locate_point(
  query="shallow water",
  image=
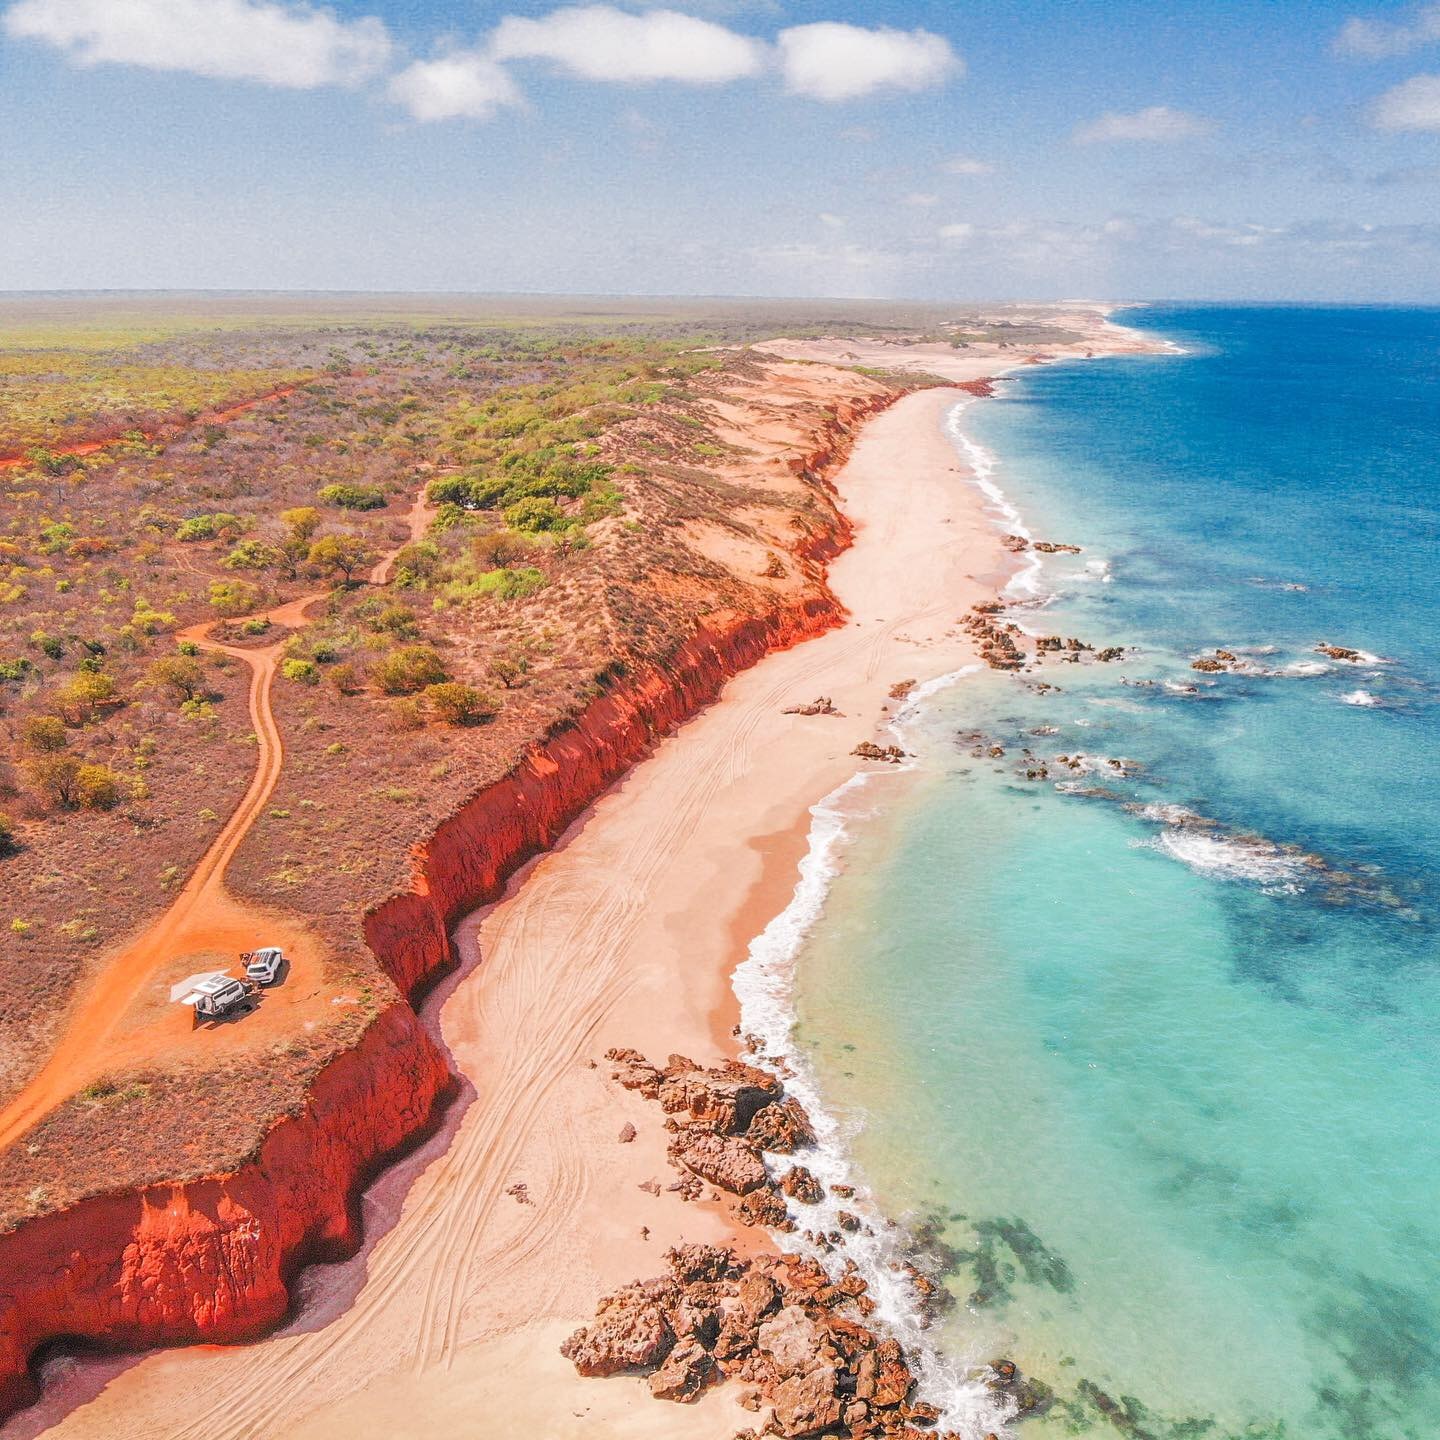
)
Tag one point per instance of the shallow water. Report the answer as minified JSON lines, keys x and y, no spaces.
{"x":1166,"y":1090}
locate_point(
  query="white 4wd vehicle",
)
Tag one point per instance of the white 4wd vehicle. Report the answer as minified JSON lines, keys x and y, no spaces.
{"x":264,"y":966}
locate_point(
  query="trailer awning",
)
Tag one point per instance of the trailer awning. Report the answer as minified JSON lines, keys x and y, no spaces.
{"x":193,"y":990}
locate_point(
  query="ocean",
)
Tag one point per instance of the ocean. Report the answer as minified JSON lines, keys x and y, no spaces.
{"x":1141,"y":1047}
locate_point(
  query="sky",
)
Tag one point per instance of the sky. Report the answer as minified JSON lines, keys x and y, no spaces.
{"x":926,"y":149}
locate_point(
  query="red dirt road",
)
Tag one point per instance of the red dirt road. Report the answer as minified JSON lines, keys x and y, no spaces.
{"x":124,"y":1017}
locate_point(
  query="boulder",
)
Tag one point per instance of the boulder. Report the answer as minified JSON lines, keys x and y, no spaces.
{"x":792,"y":1340}
{"x":782,"y":1127}
{"x":723,"y":1160}
{"x":807,"y":1404}
{"x":881,"y":1376}
{"x":764,"y":1207}
{"x":707,"y":1264}
{"x":799,"y":1184}
{"x":630,"y":1331}
{"x":724,"y":1099}
{"x":685,"y":1373}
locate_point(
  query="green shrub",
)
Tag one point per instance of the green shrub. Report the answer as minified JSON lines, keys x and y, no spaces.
{"x":408,"y":669}
{"x":233,"y":598}
{"x":8,"y":842}
{"x":353,"y":497}
{"x":506,"y":584}
{"x":252,"y":555}
{"x":536,"y":513}
{"x":208,"y":527}
{"x":302,"y":672}
{"x":458,"y":704}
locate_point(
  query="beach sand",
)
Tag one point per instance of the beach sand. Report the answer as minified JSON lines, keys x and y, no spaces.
{"x":450,"y":1319}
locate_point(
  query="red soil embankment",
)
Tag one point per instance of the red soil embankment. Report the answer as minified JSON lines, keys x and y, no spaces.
{"x":211,"y":1259}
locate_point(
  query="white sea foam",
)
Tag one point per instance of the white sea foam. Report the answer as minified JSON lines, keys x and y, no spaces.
{"x":1229,"y":858}
{"x":1359,"y":697}
{"x":1025,"y":584}
{"x":764,"y":984}
{"x":1170,"y":814}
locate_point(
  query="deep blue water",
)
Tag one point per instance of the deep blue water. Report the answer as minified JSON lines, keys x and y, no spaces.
{"x":1168,"y":1092}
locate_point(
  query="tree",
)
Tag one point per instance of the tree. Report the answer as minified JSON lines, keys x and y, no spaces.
{"x":509,"y":670}
{"x":57,"y":778}
{"x":341,"y":554}
{"x":179,"y":674}
{"x":408,"y":669}
{"x":301,"y":525}
{"x":44,"y":734}
{"x":79,"y":700}
{"x":302,"y":522}
{"x":458,"y":704}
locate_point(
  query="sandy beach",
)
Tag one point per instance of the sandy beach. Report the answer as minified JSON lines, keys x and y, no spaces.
{"x":450,"y":1318}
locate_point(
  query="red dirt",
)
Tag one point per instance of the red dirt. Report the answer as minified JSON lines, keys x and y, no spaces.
{"x":109,"y":1027}
{"x":14,"y":461}
{"x":209,"y":1259}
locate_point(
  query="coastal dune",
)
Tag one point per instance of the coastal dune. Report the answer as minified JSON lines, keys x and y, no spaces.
{"x":623,"y":934}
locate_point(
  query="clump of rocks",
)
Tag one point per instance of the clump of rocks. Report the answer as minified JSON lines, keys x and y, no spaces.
{"x":788,"y":1330}
{"x":869,"y":750}
{"x":775,"y":1325}
{"x":997,"y":644}
{"x":823,"y":705}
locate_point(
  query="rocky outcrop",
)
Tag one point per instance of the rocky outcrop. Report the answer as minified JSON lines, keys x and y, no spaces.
{"x":211,"y":1259}
{"x":777,"y":1324}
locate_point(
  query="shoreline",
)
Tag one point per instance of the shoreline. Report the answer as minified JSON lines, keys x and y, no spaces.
{"x":625,"y":933}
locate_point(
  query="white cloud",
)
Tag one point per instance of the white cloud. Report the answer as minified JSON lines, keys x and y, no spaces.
{"x":462,"y":85}
{"x":831,"y":61}
{"x":298,"y":46}
{"x":961,"y":231}
{"x":921,"y":199}
{"x":831,"y":222}
{"x":1381,"y":39}
{"x":598,"y":42}
{"x":1158,"y":122}
{"x":1414,"y":104}
{"x":967,"y":165}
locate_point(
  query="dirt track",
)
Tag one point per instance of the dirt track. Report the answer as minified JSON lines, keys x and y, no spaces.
{"x":117,"y":1022}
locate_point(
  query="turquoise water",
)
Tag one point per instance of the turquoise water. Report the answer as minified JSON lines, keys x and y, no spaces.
{"x":1161,"y":1096}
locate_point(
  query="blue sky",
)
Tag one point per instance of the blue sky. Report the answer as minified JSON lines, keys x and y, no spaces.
{"x":1000,"y":148}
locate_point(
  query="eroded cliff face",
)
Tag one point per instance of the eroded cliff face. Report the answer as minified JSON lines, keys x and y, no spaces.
{"x":211,"y":1259}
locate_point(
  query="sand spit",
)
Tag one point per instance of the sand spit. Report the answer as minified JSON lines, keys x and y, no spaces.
{"x":528,"y":1206}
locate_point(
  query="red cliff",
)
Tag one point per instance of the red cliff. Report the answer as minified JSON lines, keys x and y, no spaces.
{"x":211,"y":1259}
